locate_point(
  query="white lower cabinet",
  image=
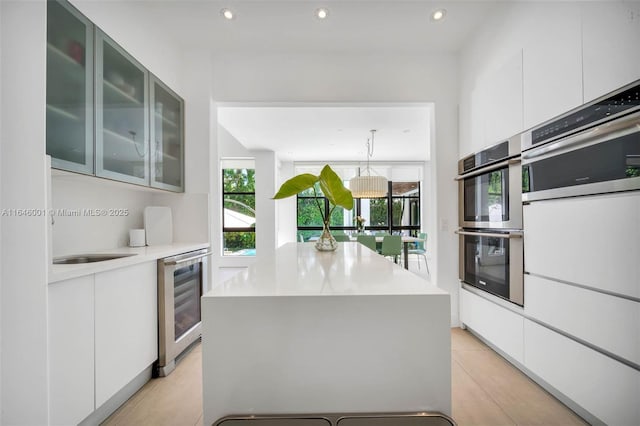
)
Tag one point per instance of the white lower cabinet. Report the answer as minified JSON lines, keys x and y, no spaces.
{"x":126,"y":326}
{"x":71,"y":356}
{"x":608,"y":322}
{"x":102,"y":334}
{"x":498,"y":325}
{"x":606,"y":388}
{"x":590,"y":240}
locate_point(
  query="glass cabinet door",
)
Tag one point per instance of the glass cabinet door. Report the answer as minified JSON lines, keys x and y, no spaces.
{"x":167,"y":141}
{"x":122,"y":111}
{"x":69,"y":88}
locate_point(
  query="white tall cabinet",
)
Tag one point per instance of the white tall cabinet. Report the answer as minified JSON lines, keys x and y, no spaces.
{"x":552,"y":62}
{"x":610,"y":35}
{"x":579,"y":331}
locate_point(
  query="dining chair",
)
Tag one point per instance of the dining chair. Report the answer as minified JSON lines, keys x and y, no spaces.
{"x":368,"y":241}
{"x":420,"y":250}
{"x":342,"y":238}
{"x":391,"y":246}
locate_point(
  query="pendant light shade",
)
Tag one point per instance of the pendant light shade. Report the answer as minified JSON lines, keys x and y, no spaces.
{"x":367,"y":186}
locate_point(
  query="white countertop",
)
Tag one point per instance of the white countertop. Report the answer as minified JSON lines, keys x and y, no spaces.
{"x":143,"y":254}
{"x":298,"y":269}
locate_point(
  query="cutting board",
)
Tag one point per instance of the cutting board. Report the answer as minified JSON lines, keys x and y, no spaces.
{"x":158,"y":225}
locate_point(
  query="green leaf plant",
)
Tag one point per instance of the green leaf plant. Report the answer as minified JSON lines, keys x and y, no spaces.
{"x":330,"y":184}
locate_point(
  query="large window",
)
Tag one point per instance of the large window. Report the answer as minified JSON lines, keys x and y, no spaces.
{"x":310,"y":203}
{"x":398,"y":212}
{"x":239,"y":214}
{"x":405,"y":202}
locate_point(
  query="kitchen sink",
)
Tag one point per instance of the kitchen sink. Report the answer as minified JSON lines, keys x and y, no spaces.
{"x":88,"y":258}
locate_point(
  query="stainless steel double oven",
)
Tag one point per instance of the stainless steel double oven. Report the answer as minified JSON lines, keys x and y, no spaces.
{"x":490,"y":220}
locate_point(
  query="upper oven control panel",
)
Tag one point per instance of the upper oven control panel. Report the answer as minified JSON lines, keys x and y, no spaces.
{"x":623,"y":101}
{"x":498,"y":152}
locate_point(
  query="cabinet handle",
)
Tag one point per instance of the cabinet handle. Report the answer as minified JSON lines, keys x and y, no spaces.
{"x":491,"y":234}
{"x":176,"y":262}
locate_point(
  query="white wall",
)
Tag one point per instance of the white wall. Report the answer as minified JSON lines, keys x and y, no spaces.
{"x":201,"y":123}
{"x":190,"y":214}
{"x":229,"y":146}
{"x":78,"y":234}
{"x":24,"y":246}
{"x":127,"y":23}
{"x":1,"y":135}
{"x":285,"y":209}
{"x":306,"y":77}
{"x":266,"y":168}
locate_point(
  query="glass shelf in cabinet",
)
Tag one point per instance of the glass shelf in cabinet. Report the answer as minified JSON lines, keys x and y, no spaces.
{"x":112,"y":136}
{"x":116,"y":94}
{"x":61,"y":112}
{"x":60,"y":57}
{"x":165,"y":120}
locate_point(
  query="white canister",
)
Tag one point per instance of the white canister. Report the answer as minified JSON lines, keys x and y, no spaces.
{"x":137,"y":238}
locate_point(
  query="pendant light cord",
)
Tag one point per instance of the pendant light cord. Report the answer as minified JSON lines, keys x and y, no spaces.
{"x":370,"y":151}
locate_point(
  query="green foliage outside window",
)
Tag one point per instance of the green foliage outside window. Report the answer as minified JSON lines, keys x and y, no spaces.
{"x":239,"y":180}
{"x":378,"y":212}
{"x":239,"y":202}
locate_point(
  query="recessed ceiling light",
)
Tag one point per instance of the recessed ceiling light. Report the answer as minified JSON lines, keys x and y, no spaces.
{"x":322,"y":13}
{"x":439,"y":14}
{"x":228,"y":14}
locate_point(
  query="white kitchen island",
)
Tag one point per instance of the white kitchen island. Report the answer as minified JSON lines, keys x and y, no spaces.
{"x":304,"y":331}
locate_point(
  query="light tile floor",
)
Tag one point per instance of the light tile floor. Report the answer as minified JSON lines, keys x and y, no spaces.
{"x":487,"y":391}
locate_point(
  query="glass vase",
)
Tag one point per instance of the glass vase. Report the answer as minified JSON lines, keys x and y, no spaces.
{"x":326,"y":242}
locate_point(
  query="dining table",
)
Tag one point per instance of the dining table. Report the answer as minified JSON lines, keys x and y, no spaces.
{"x":406,"y":239}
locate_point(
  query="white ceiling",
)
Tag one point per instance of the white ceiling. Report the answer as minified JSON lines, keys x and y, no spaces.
{"x":363,"y":26}
{"x":335,"y":133}
{"x":331,"y":133}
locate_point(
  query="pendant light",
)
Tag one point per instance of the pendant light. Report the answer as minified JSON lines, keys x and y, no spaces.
{"x":367,"y":186}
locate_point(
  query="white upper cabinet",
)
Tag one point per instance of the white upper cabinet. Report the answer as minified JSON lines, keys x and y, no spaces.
{"x":504,"y":100}
{"x":496,"y":104}
{"x":552,"y":61}
{"x":611,"y":33}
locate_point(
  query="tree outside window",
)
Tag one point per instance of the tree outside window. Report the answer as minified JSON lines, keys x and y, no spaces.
{"x":239,"y":215}
{"x":310,"y":218}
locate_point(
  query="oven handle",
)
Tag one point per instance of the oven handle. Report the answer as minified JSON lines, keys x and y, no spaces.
{"x":517,"y":234}
{"x":489,"y":168}
{"x":614,"y":129}
{"x":187,"y":259}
